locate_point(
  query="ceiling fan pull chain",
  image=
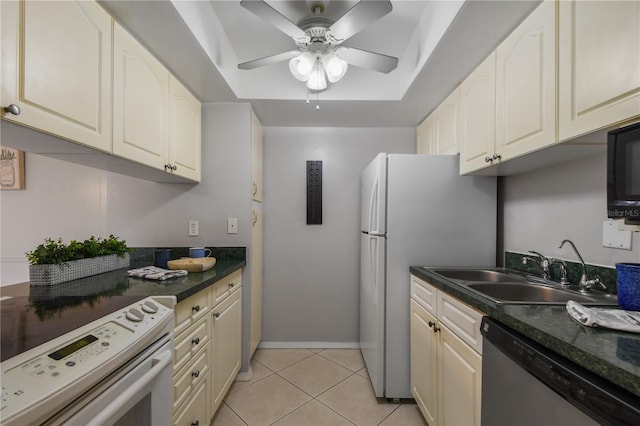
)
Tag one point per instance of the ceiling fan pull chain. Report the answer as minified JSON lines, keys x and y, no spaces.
{"x":318,"y":100}
{"x":307,"y":94}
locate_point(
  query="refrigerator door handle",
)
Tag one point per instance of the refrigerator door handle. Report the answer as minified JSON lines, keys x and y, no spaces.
{"x":373,"y":204}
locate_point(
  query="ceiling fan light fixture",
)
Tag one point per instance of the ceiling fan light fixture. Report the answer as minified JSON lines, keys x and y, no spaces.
{"x":334,"y":66}
{"x":317,"y":80}
{"x":302,"y":65}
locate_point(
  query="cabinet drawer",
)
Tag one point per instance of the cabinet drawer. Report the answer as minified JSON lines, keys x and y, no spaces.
{"x":226,"y":286}
{"x":424,"y":294}
{"x":191,"y":342}
{"x":462,"y":319}
{"x":196,"y":411}
{"x":191,"y":310}
{"x":189,"y":377}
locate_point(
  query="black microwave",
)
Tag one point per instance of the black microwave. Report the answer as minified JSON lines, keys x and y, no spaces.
{"x":623,"y":174}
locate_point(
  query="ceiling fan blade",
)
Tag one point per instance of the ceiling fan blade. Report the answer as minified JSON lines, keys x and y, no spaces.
{"x":267,"y":60}
{"x":262,"y":10}
{"x":358,"y":17}
{"x":369,"y":60}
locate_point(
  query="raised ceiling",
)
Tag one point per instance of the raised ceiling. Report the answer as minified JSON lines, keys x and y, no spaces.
{"x":437,"y":42}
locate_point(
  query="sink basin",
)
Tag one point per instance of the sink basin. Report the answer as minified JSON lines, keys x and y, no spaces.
{"x":485,"y":275}
{"x":523,"y":292}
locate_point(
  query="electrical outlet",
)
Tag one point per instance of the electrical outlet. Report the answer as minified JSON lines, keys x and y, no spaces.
{"x":232,"y":225}
{"x":193,"y":228}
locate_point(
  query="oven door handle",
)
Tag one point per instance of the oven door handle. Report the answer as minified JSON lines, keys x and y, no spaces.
{"x":161,"y":362}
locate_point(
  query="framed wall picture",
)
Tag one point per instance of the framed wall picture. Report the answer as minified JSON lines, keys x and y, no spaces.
{"x":11,"y":168}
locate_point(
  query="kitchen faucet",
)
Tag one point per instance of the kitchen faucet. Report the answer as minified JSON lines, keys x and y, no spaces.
{"x":542,"y":263}
{"x":584,"y":285}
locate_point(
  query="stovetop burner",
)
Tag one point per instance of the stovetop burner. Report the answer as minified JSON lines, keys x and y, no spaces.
{"x":27,"y":323}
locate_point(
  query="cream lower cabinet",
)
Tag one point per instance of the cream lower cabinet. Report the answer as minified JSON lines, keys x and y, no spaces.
{"x":208,"y":332}
{"x":446,"y":357}
{"x":256,"y":281}
{"x":56,"y":67}
{"x":599,"y":65}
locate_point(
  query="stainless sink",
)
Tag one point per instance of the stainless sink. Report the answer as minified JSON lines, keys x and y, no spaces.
{"x":535,"y":293}
{"x":510,"y":286}
{"x":486,"y":275}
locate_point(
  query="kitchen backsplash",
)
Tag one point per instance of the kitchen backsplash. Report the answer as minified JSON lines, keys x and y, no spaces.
{"x":145,"y":254}
{"x":606,"y":275}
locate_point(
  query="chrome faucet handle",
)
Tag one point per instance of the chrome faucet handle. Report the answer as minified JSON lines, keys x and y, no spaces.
{"x":589,"y":284}
{"x":564,"y":282}
{"x":542,"y":263}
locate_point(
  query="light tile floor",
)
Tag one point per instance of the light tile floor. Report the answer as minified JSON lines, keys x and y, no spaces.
{"x":310,"y":387}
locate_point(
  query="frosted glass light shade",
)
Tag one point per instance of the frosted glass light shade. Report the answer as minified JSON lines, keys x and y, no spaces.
{"x":302,"y":65}
{"x":334,"y":66}
{"x":317,"y":80}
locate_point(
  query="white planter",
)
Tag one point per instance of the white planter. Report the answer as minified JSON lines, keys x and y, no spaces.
{"x":75,"y":269}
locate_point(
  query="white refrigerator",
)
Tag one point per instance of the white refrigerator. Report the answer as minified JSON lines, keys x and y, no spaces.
{"x":416,"y":210}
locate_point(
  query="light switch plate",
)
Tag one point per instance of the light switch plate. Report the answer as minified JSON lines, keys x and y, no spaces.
{"x":613,"y":237}
{"x":232,"y":225}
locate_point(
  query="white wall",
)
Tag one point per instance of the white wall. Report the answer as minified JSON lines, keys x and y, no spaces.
{"x":312,"y":272}
{"x":66,"y":200}
{"x":564,"y":201}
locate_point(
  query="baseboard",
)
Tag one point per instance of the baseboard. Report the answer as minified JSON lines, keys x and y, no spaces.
{"x":309,"y":345}
{"x":244,"y":376}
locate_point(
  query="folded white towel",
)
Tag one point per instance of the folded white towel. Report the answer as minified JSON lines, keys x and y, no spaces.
{"x":155,"y":273}
{"x":616,"y":319}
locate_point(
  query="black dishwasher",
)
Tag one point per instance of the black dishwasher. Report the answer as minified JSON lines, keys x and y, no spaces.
{"x":524,"y":383}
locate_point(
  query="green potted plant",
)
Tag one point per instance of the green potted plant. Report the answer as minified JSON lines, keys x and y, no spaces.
{"x":54,"y":262}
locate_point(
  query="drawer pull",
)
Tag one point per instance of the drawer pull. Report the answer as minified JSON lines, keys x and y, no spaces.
{"x":431,"y":324}
{"x":195,"y":374}
{"x":196,"y":341}
{"x":196,"y":308}
{"x":231,"y":285}
{"x":216,"y":314}
{"x":196,"y":423}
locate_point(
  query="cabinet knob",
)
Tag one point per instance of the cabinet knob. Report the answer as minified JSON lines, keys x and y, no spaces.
{"x":255,"y":188}
{"x":231,"y":285}
{"x":255,"y":218}
{"x":216,"y":314}
{"x":196,"y":423}
{"x":196,"y":341}
{"x":174,"y":167}
{"x":487,"y":159}
{"x":12,"y":109}
{"x":431,"y":324}
{"x":496,"y":157}
{"x":195,"y":374}
{"x":195,"y":308}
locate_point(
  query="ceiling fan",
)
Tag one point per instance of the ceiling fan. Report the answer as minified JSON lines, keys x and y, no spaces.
{"x":320,"y":54}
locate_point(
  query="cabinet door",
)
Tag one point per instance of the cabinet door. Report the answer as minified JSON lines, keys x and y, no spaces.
{"x":445,"y":125}
{"x":256,"y":158}
{"x":256,"y":281}
{"x":599,"y":64}
{"x":424,"y":136}
{"x":477,"y":116}
{"x":526,"y":85}
{"x":226,"y":346}
{"x":424,"y":368}
{"x":459,"y":379}
{"x":140,"y":103}
{"x":196,"y":411}
{"x":56,"y":67}
{"x":185,"y":132}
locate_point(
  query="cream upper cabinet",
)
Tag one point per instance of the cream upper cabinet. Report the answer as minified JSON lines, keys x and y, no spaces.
{"x":424,"y":136}
{"x":185,"y":132}
{"x":256,"y":158}
{"x":599,"y":65}
{"x":526,"y":85}
{"x":140,"y":103}
{"x":56,"y":67}
{"x":445,"y":126}
{"x":477,"y":116}
{"x":256,"y":280}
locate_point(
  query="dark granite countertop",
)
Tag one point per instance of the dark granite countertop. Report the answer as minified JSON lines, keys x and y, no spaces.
{"x":613,"y":355}
{"x":117,"y":283}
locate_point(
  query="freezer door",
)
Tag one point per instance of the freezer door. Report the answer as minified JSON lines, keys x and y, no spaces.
{"x":372,"y":307}
{"x":373,"y":188}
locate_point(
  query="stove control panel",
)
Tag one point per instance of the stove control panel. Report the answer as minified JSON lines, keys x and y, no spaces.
{"x":86,"y":354}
